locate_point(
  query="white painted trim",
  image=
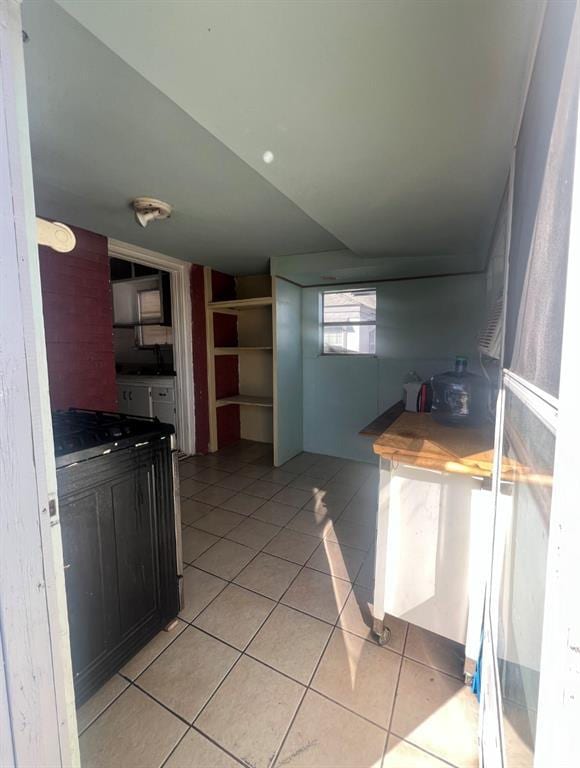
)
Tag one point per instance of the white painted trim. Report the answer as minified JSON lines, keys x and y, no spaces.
{"x":383,"y":517}
{"x":541,"y":404}
{"x":182,"y":332}
{"x":275,"y":403}
{"x":490,"y":722}
{"x":36,"y":699}
{"x":210,"y":345}
{"x":559,"y":697}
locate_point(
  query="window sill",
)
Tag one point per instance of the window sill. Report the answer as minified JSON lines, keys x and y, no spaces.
{"x":347,"y":354}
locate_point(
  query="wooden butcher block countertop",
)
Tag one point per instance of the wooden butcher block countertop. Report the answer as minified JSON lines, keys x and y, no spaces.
{"x":416,"y":439}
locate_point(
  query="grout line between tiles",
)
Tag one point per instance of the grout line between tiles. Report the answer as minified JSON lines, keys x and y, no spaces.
{"x":253,"y":591}
{"x":88,"y":725}
{"x":274,"y":759}
{"x":132,"y":679}
{"x":347,"y":709}
{"x":260,"y":594}
{"x":281,"y":528}
{"x":257,"y":630}
{"x":308,"y":686}
{"x":355,"y":487}
{"x":398,"y":679}
{"x":396,"y":694}
{"x":222,"y":681}
{"x":217,"y":744}
{"x":456,"y":678}
{"x":175,"y":748}
{"x":302,"y":567}
{"x":422,"y":749}
{"x":134,"y":684}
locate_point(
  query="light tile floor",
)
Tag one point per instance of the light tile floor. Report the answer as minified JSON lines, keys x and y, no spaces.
{"x":272,"y":662}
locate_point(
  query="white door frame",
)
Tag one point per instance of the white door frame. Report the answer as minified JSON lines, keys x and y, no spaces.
{"x":559,"y":694}
{"x":37,"y":713}
{"x":182,"y":331}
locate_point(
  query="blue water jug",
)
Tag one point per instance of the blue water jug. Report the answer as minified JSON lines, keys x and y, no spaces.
{"x":460,"y":397}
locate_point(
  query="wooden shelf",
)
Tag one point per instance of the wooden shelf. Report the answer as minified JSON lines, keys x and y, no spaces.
{"x":261,"y":402}
{"x":244,"y":352}
{"x":240,"y":304}
{"x":237,"y":350}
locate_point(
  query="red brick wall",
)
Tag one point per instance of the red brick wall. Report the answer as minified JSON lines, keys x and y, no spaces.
{"x":199,"y":360}
{"x":223,"y":286}
{"x":78,"y":324}
{"x":228,"y":425}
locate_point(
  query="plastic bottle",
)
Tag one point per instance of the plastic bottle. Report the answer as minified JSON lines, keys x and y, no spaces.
{"x":460,"y":397}
{"x":411,"y":386}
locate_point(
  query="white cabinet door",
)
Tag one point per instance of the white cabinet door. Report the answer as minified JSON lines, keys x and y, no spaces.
{"x":164,"y":411}
{"x":124,"y":303}
{"x":121,"y":398}
{"x":136,"y":400}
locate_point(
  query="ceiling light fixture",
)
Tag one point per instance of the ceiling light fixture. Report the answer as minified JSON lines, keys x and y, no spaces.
{"x":148,"y":209}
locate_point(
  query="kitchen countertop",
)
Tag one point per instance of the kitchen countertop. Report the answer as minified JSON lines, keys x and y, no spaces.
{"x":149,"y":380}
{"x":416,"y":439}
{"x":382,"y":422}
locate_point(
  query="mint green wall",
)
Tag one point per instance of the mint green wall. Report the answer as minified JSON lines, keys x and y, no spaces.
{"x":421,"y":325}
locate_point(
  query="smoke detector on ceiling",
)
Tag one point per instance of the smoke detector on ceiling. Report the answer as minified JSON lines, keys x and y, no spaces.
{"x":148,"y":209}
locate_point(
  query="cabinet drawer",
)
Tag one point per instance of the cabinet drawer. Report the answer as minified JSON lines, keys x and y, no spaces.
{"x":163,"y":394}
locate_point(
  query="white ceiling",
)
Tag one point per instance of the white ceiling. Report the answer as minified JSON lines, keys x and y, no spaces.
{"x":391,"y":123}
{"x":102,"y":135}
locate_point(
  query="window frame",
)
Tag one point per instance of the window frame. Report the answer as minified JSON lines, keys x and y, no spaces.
{"x":323,"y":324}
{"x":149,"y":323}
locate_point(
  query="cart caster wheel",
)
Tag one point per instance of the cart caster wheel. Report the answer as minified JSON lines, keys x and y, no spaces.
{"x":384,"y":637}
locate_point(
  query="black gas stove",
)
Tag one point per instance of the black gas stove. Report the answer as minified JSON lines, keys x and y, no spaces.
{"x":118,"y":492}
{"x":81,"y":434}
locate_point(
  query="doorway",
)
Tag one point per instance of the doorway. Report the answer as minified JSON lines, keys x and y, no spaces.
{"x":154,"y":353}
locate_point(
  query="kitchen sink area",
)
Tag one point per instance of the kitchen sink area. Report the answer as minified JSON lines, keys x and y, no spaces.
{"x":143,"y":341}
{"x":145,"y":371}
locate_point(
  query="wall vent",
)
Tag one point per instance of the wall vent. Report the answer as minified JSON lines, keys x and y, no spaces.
{"x":489,"y":341}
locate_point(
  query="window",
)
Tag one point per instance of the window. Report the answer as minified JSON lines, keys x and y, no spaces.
{"x":154,"y":335}
{"x":150,"y":333}
{"x":349,"y":322}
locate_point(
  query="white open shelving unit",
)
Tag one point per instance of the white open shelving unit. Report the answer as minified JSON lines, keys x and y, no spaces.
{"x":254,"y":310}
